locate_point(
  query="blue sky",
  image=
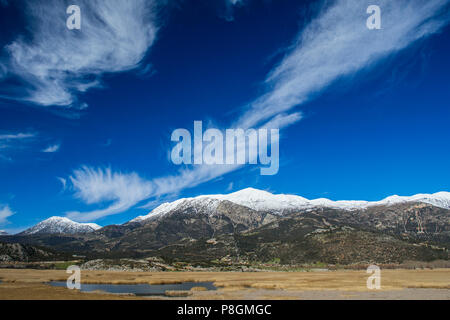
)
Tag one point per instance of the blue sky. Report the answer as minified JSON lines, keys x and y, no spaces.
{"x":86,"y":115}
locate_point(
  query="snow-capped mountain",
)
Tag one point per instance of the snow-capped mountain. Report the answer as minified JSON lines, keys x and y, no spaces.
{"x":279,"y":204}
{"x":3,"y":233}
{"x":204,"y":204}
{"x":60,"y":225}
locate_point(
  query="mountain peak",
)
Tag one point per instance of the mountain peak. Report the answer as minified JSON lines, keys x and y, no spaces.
{"x":58,"y":219}
{"x":251,"y":192}
{"x":261,"y":200}
{"x":61,"y":225}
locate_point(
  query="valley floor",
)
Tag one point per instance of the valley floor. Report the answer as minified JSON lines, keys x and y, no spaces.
{"x":348,"y":284}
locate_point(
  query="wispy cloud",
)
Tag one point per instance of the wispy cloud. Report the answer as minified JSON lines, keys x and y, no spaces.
{"x":4,"y":138}
{"x":52,"y":148}
{"x":338,"y":43}
{"x":63,"y":182}
{"x":10,"y":142}
{"x":57,"y":64}
{"x":123,"y":190}
{"x":5,"y":213}
{"x":335,"y":44}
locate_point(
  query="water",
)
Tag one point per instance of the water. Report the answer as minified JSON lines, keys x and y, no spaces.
{"x":139,"y":289}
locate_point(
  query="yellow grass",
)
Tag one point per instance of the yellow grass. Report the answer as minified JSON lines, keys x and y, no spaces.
{"x":29,"y":284}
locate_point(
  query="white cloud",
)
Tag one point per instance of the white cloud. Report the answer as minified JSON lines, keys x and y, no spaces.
{"x":63,"y":182}
{"x":5,"y":213}
{"x":124,"y":190}
{"x":12,"y":141}
{"x":55,"y":64}
{"x":189,"y":178}
{"x":52,"y":149}
{"x":121,"y":191}
{"x":18,"y":136}
{"x":283,"y":120}
{"x":338,"y":43}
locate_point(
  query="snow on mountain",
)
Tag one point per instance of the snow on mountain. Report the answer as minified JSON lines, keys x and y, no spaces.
{"x":439,"y":199}
{"x":3,"y":233}
{"x":204,"y":203}
{"x":265,"y":201}
{"x":60,"y":225}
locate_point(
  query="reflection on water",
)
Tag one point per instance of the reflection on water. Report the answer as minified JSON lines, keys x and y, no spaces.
{"x":139,"y":289}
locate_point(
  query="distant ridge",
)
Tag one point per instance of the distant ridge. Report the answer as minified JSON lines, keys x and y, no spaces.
{"x":61,"y":225}
{"x":260,"y":200}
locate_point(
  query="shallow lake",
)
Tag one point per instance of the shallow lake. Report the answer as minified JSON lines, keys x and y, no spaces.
{"x":139,"y":289}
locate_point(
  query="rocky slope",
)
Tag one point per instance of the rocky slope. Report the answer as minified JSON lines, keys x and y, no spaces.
{"x":18,"y":252}
{"x":319,"y":236}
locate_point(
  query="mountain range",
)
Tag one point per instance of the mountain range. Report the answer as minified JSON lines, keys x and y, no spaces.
{"x":264,"y":201}
{"x":258,"y":200}
{"x":255,"y":225}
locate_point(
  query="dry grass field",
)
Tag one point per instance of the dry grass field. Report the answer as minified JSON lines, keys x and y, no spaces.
{"x":350,"y":284}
